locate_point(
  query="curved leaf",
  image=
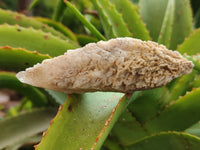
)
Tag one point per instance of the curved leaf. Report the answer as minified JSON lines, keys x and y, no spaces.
{"x":174,"y":116}
{"x":81,"y":122}
{"x":112,"y":21}
{"x":84,"y":121}
{"x":127,"y":129}
{"x":14,"y":18}
{"x":167,"y":141}
{"x":58,"y":26}
{"x":29,"y":140}
{"x":191,"y":45}
{"x":167,"y":25}
{"x":17,"y":59}
{"x":156,"y":98}
{"x":59,"y":10}
{"x":25,"y":125}
{"x":132,"y":18}
{"x":154,"y":19}
{"x":194,"y":129}
{"x":84,"y":39}
{"x":90,"y":27}
{"x":30,"y":39}
{"x":9,"y":81}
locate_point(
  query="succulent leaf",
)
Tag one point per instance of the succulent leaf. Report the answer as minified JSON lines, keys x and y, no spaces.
{"x":13,"y":18}
{"x":156,"y":98}
{"x":44,"y":43}
{"x":132,"y":19}
{"x":167,"y":140}
{"x":83,"y":122}
{"x":84,"y":39}
{"x":167,"y":25}
{"x":154,"y":19}
{"x":16,"y":59}
{"x":172,"y":118}
{"x":90,"y":27}
{"x":9,"y":81}
{"x":191,"y":45}
{"x":25,"y":125}
{"x":127,"y":129}
{"x":59,"y":10}
{"x":112,"y":21}
{"x":58,"y":26}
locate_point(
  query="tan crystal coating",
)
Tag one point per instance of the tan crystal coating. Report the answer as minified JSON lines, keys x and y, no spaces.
{"x":121,"y":65}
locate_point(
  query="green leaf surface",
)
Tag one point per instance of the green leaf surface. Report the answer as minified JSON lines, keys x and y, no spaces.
{"x":84,"y":121}
{"x":59,"y":10}
{"x":81,"y":122}
{"x":194,"y":129}
{"x":33,"y":4}
{"x":14,"y":18}
{"x":58,"y":26}
{"x":173,"y":117}
{"x":167,"y":25}
{"x":85,"y":39}
{"x":33,"y":40}
{"x":127,"y":129}
{"x":179,"y":88}
{"x":111,"y":19}
{"x":90,"y":27}
{"x":195,"y":59}
{"x":154,"y":18}
{"x":25,"y":125}
{"x":58,"y":96}
{"x":29,"y":140}
{"x":132,"y":19}
{"x":191,"y":45}
{"x":18,"y":59}
{"x":167,"y":141}
{"x":156,"y":98}
{"x":9,"y":81}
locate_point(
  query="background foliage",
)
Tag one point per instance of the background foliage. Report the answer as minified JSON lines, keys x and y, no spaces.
{"x":162,"y":118}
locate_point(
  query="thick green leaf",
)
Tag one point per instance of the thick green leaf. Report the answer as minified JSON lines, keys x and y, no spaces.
{"x":148,"y":104}
{"x":9,"y":81}
{"x":90,"y":27}
{"x":59,"y":27}
{"x":154,"y":18}
{"x":59,"y":10}
{"x":167,"y":25}
{"x":131,"y":17}
{"x":127,"y":129}
{"x":30,"y":39}
{"x":14,"y":18}
{"x":85,"y":39}
{"x":82,"y":122}
{"x":33,"y":4}
{"x":25,"y":125}
{"x":17,"y":59}
{"x":29,"y":140}
{"x":112,"y":21}
{"x":194,"y":129}
{"x":196,"y":61}
{"x":58,"y":96}
{"x":191,"y":45}
{"x":173,"y":117}
{"x":180,"y":87}
{"x":167,"y":141}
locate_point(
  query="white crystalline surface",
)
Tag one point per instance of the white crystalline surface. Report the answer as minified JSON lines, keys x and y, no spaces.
{"x":121,"y":65}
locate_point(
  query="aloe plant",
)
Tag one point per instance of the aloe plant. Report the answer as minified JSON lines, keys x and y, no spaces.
{"x":162,"y":118}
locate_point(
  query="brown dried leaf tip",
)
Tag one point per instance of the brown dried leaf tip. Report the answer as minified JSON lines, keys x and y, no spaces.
{"x":121,"y":65}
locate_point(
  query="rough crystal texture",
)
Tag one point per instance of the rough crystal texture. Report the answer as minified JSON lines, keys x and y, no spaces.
{"x":121,"y":65}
